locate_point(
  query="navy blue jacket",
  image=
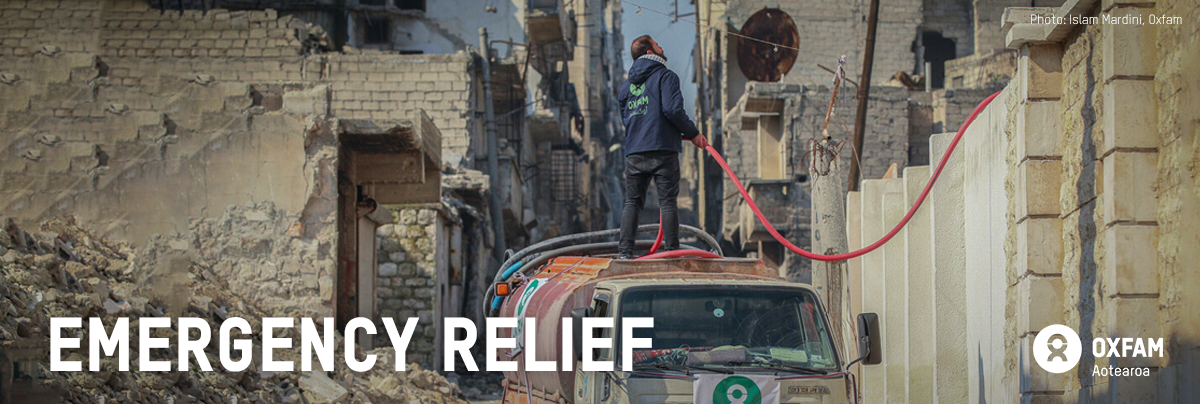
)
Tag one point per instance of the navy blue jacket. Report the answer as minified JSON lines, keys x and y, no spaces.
{"x":652,"y":109}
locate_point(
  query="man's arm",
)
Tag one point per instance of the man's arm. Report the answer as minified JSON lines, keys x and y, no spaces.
{"x":672,"y":106}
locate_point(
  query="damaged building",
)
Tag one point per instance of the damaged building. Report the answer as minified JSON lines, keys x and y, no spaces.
{"x":341,"y":158}
{"x":762,"y":103}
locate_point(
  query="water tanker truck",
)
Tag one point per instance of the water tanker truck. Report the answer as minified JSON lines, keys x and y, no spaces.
{"x":725,"y":330}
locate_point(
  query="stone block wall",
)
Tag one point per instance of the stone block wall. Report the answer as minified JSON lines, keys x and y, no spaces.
{"x":407,"y":280}
{"x":383,"y":86}
{"x":986,"y":70}
{"x":1178,"y":209}
{"x":951,"y":108}
{"x":138,"y":120}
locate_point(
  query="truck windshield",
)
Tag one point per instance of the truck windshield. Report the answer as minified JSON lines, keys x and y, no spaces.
{"x":725,"y":326}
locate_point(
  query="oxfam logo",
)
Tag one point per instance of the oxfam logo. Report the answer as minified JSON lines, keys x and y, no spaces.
{"x":737,"y":390}
{"x":637,"y":89}
{"x":1057,"y":348}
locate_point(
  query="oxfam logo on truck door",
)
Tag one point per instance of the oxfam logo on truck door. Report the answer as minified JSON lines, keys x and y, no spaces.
{"x":737,"y":390}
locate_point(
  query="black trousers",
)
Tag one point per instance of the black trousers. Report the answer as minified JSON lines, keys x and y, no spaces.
{"x":640,"y":168}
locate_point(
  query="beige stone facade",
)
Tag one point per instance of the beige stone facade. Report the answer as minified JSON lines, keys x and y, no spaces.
{"x":1057,"y":216}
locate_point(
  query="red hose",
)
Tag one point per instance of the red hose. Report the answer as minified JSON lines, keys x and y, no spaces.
{"x":657,"y":240}
{"x":836,"y":257}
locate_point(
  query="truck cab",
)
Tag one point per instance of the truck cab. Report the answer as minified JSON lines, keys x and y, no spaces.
{"x":729,"y":330}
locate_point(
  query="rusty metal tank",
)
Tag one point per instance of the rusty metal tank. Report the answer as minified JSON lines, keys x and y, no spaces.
{"x":757,"y":58}
{"x":567,"y":283}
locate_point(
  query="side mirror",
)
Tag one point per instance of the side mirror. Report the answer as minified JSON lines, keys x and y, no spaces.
{"x":870,"y":343}
{"x":577,"y":316}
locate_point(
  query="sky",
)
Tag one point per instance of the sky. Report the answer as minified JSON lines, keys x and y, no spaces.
{"x":676,"y":38}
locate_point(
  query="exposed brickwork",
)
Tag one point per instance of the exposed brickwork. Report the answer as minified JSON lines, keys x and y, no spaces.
{"x":388,"y":86}
{"x":406,"y":286}
{"x":830,"y":29}
{"x":987,"y":70}
{"x":129,"y":84}
{"x":140,"y":119}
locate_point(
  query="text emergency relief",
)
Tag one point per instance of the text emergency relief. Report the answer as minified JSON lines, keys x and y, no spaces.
{"x":234,"y":335}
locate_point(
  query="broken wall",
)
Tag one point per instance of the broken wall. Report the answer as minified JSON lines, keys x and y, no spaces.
{"x":386,"y":86}
{"x":140,"y":121}
{"x":441,"y":27}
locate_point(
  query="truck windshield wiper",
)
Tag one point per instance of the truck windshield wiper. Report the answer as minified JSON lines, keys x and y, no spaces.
{"x":664,"y":366}
{"x":777,"y":365}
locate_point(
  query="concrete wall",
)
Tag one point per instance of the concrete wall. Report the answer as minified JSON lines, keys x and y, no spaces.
{"x":938,"y":281}
{"x":948,"y":256}
{"x":984,"y":209}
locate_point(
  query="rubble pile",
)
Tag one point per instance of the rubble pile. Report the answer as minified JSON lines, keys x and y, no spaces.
{"x":62,"y":270}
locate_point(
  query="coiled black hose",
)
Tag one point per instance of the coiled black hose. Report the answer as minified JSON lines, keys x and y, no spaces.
{"x":585,"y":242}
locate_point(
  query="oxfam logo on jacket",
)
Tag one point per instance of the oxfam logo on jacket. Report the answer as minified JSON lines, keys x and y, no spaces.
{"x":637,"y":106}
{"x":637,"y":89}
{"x":1057,"y":348}
{"x":737,"y":390}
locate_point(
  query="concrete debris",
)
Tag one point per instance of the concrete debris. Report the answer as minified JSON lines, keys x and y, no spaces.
{"x":63,"y":270}
{"x":320,"y":389}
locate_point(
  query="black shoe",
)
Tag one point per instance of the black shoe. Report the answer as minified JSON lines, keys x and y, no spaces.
{"x":625,"y":256}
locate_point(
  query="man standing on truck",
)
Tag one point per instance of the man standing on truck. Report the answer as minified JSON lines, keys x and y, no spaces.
{"x":655,"y":124}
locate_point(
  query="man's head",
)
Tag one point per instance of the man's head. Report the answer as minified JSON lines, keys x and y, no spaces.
{"x":645,"y":45}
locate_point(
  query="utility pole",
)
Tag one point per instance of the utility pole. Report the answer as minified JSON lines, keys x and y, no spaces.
{"x":828,"y":218}
{"x":828,"y":222}
{"x":497,"y":211}
{"x":864,"y":91}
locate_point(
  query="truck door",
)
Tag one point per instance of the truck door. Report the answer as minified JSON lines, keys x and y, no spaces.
{"x":592,"y":387}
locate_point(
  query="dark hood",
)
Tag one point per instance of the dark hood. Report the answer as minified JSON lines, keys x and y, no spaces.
{"x":642,"y":69}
